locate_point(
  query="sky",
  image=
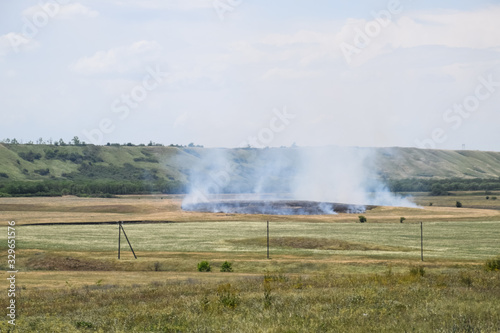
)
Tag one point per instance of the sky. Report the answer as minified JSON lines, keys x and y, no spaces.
{"x":233,"y":73}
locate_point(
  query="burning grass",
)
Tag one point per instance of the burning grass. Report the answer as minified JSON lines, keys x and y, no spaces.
{"x":275,"y":207}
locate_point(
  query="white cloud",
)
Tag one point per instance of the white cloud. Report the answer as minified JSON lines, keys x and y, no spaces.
{"x":289,"y":73}
{"x":167,"y":4}
{"x":454,"y":29}
{"x":15,"y":42}
{"x":124,"y":59}
{"x":53,"y":9}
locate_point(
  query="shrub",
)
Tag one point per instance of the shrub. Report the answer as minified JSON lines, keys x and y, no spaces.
{"x":226,"y":267}
{"x":493,"y":264}
{"x":493,"y":198}
{"x":458,"y":204}
{"x":401,"y":219}
{"x":430,"y":203}
{"x":362,"y":219}
{"x":42,"y":172}
{"x":204,"y":266}
{"x":417,"y":270}
{"x":4,"y":175}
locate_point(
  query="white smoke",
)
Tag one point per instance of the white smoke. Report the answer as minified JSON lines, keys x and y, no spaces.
{"x":324,"y":174}
{"x":344,"y":175}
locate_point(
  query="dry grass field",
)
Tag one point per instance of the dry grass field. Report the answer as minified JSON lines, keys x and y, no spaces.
{"x":70,"y":209}
{"x":325,"y":272}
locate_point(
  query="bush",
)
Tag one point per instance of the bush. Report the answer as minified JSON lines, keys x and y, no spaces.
{"x":30,"y":156}
{"x":204,"y":266}
{"x":458,"y":204}
{"x":417,"y":270}
{"x":493,"y":198}
{"x":401,"y":219}
{"x":4,"y":175}
{"x":493,"y":264}
{"x":42,"y":172}
{"x":362,"y":219}
{"x":226,"y":267}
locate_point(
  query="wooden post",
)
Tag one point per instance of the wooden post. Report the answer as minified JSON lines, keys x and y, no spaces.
{"x":421,"y":241}
{"x":267,"y":239}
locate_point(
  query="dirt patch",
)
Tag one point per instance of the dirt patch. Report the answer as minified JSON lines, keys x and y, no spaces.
{"x":317,"y":244}
{"x":58,"y":263}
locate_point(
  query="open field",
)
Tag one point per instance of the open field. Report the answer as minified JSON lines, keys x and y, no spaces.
{"x":325,"y":272}
{"x":168,"y":208}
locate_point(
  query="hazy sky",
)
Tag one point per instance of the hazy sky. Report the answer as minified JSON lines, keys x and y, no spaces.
{"x":266,"y":73}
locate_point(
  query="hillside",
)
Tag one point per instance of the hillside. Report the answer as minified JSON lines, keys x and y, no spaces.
{"x":169,"y":169}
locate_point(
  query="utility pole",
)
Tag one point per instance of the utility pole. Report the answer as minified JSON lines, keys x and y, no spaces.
{"x":421,"y":241}
{"x":267,"y":239}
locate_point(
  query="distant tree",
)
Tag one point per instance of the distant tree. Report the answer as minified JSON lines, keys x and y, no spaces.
{"x":14,"y":141}
{"x":39,"y":141}
{"x":61,"y":142}
{"x":458,"y":204}
{"x":76,"y":141}
{"x":191,"y":145}
{"x":438,"y":189}
{"x":362,"y":219}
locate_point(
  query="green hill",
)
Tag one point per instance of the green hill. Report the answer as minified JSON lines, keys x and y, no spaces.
{"x":26,"y":169}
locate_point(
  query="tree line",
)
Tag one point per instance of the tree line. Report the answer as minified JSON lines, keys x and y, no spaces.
{"x":443,"y":186}
{"x":75,"y":141}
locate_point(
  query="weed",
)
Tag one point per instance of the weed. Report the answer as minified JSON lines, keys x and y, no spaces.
{"x":493,"y":264}
{"x":228,"y":296}
{"x":417,"y":270}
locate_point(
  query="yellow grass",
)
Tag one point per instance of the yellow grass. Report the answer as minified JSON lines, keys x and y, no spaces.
{"x":168,"y":208}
